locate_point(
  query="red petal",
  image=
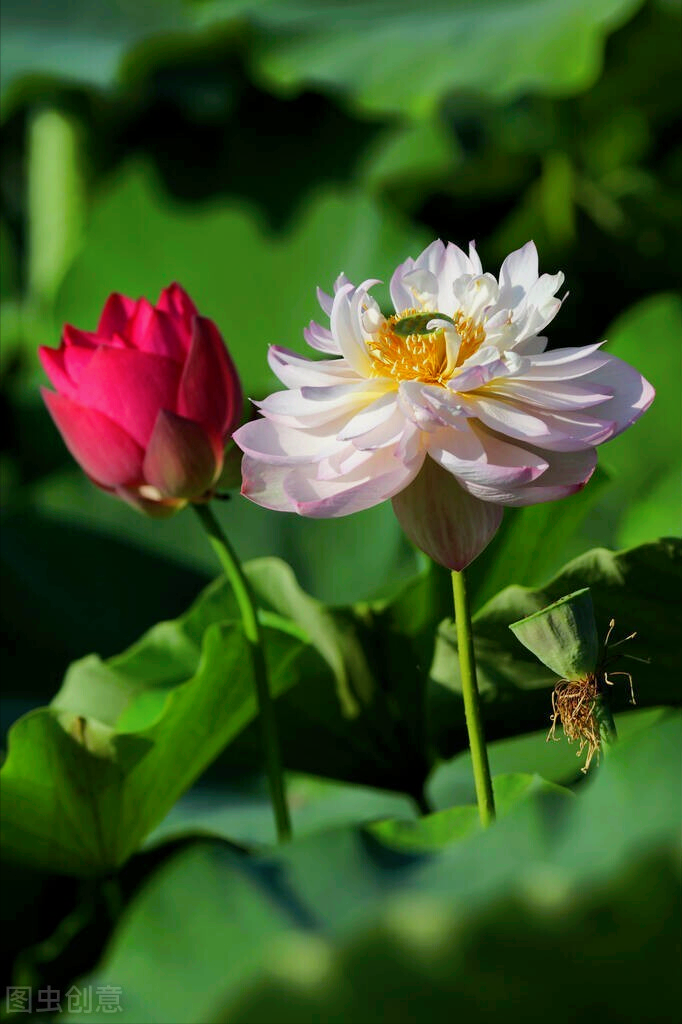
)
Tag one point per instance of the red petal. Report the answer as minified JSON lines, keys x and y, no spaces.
{"x":155,"y":332}
{"x":175,"y":301}
{"x":102,"y":448}
{"x":180,"y":462}
{"x":443,"y":520}
{"x":129,"y":387}
{"x":52,"y":360}
{"x":210,"y":392}
{"x":118,"y":310}
{"x":86,"y":339}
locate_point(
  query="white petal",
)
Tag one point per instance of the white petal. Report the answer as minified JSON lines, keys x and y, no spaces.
{"x":373,"y":415}
{"x":273,"y":443}
{"x":568,"y":473}
{"x":320,"y":339}
{"x":443,"y":520}
{"x":296,"y":371}
{"x":633,"y":394}
{"x":518,"y":274}
{"x":347,"y":330}
{"x":311,"y":407}
{"x":555,"y":395}
{"x":263,"y":484}
{"x":380,"y":477}
{"x":479,"y":457}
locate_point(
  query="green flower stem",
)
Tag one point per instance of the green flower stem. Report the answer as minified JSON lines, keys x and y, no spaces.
{"x":607,"y":727}
{"x":472,"y":703}
{"x":252,"y":631}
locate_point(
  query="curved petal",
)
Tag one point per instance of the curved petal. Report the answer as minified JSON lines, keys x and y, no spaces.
{"x":129,"y":387}
{"x":568,"y":473}
{"x":297,"y":371}
{"x":117,"y":312}
{"x":442,"y":519}
{"x":632,"y":393}
{"x":347,"y":330}
{"x":321,"y":339}
{"x":52,"y":360}
{"x":263,"y":483}
{"x":181,"y":460}
{"x":274,"y":443}
{"x":101,"y":447}
{"x":152,"y":330}
{"x":478,"y":457}
{"x":518,"y":274}
{"x":210,"y":392}
{"x":175,"y":301}
{"x":378,"y":477}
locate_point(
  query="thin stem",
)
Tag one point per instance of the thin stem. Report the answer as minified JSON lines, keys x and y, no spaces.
{"x":252,"y":631}
{"x":472,"y":703}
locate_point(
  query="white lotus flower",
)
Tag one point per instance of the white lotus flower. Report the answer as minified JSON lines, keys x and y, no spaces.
{"x":451,"y":407}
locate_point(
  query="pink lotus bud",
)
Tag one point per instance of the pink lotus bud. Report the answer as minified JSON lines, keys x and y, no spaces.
{"x":147,"y":402}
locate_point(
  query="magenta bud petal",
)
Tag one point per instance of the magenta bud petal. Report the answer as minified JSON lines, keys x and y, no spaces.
{"x":52,"y":360}
{"x":210,"y":392}
{"x":129,"y":387}
{"x":104,"y":450}
{"x":438,"y":515}
{"x":175,"y":301}
{"x":154,"y":507}
{"x":116,"y":314}
{"x":180,"y":462}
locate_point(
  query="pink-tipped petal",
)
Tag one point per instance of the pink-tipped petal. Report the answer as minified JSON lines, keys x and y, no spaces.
{"x":129,"y":387}
{"x":116,"y":314}
{"x":451,"y":526}
{"x":101,"y":447}
{"x":379,"y":476}
{"x":181,"y":461}
{"x":210,"y":391}
{"x":568,"y":473}
{"x":264,"y":484}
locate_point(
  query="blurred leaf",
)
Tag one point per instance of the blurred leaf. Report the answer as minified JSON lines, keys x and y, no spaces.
{"x":337,"y":927}
{"x":647,"y":458}
{"x":637,"y":588}
{"x":440,"y":829}
{"x":549,"y":950}
{"x":393,"y":58}
{"x":245,"y":816}
{"x":259,"y":288}
{"x":166,"y":926}
{"x":78,"y":41}
{"x":81,"y":801}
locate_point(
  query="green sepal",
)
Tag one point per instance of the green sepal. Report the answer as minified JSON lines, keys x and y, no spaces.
{"x":563,"y":636}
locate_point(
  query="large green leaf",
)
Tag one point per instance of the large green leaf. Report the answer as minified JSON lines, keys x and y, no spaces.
{"x":86,"y":779}
{"x":337,"y":926}
{"x":79,"y":41}
{"x":395,"y":57}
{"x":638,"y":588}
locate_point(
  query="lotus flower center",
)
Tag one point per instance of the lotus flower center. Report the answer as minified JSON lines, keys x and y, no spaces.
{"x":431,"y":357}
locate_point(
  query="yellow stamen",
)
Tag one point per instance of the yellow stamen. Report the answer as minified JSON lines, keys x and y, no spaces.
{"x":424,"y":357}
